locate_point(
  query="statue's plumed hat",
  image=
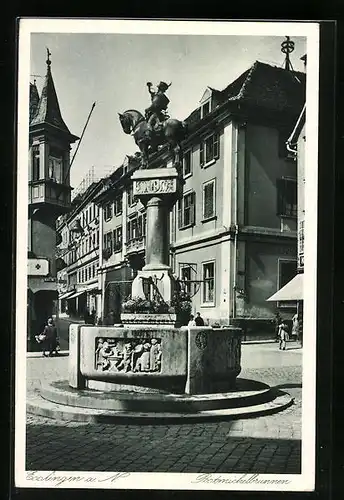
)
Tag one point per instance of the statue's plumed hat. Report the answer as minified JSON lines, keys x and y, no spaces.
{"x":163,"y":86}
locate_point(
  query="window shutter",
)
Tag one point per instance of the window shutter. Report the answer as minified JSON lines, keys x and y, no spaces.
{"x":180,"y":214}
{"x":216,"y":146}
{"x":208,"y":193}
{"x":193,"y":208}
{"x":201,"y":154}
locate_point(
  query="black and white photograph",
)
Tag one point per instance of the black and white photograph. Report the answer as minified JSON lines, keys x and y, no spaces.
{"x":166,"y":255}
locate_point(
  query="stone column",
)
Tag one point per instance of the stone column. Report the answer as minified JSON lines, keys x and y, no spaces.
{"x":157,"y":190}
{"x":157,"y":241}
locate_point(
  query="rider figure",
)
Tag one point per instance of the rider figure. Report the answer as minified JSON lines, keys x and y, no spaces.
{"x":156,"y":113}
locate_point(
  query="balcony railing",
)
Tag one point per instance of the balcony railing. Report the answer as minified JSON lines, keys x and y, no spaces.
{"x":136,"y":245}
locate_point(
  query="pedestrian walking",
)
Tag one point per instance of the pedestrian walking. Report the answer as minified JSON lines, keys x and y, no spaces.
{"x":283,"y":335}
{"x":50,"y":343}
{"x":295,"y":327}
{"x":192,"y":321}
{"x":199,"y":320}
{"x":277,"y":322}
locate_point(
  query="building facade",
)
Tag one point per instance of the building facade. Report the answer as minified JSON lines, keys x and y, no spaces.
{"x":79,"y":248}
{"x":292,"y":292}
{"x":49,"y":196}
{"x":233,"y":233}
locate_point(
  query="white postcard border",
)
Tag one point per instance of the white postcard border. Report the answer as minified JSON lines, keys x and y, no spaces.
{"x":215,"y":481}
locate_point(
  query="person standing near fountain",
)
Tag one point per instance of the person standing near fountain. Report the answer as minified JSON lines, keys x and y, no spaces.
{"x":199,"y":320}
{"x":192,"y":321}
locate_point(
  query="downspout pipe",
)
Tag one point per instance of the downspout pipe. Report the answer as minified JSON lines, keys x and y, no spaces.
{"x":100,"y":266}
{"x":236,"y":227}
{"x":290,"y":149}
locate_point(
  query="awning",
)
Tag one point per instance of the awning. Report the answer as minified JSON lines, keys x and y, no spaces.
{"x":66,"y":295}
{"x":291,"y":291}
{"x":76,"y":294}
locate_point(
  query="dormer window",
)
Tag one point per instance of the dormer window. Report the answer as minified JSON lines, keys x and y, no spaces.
{"x":205,"y":109}
{"x":206,"y":102}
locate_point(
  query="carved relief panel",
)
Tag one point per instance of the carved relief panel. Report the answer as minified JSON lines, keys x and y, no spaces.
{"x":128,"y":355}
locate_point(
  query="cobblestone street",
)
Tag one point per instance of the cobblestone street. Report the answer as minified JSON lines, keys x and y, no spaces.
{"x":268,"y":444}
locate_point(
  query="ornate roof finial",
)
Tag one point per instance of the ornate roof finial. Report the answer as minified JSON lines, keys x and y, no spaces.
{"x":48,"y":57}
{"x":287,"y":47}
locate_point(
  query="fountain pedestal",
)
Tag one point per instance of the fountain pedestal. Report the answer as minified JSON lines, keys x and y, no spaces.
{"x":157,"y":189}
{"x":149,"y":354}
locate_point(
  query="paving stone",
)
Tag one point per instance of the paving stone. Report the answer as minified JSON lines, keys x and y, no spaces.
{"x":205,"y":445}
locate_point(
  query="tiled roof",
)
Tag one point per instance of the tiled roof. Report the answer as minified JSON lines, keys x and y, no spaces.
{"x":48,"y":110}
{"x":269,"y":87}
{"x":33,"y":100}
{"x":265,"y":87}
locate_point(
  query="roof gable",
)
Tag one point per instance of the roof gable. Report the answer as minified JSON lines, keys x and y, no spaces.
{"x":48,"y":109}
{"x":206,"y":95}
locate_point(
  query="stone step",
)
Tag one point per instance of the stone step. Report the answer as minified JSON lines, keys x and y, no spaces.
{"x":248,"y":393}
{"x":39,"y":406}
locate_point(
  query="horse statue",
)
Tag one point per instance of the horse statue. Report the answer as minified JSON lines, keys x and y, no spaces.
{"x":148,"y":139}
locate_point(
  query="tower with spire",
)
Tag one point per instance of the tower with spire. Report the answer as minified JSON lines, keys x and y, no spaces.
{"x":49,"y":195}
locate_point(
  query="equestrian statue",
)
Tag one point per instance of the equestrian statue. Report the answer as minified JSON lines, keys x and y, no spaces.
{"x":156,"y":128}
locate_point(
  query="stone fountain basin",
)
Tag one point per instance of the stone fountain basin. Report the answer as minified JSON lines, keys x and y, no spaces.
{"x":194,"y":360}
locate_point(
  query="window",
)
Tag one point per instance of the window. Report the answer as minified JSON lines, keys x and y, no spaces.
{"x":118,"y":205}
{"x":141,"y":225}
{"x":186,"y":210}
{"x":132,"y":228}
{"x":97,"y":238}
{"x":131,"y":197}
{"x":205,"y":109}
{"x":35,"y":163}
{"x":286,"y":197}
{"x":209,"y":282}
{"x":55,"y":165}
{"x":209,"y":200}
{"x":107,"y":211}
{"x":187,"y":163}
{"x":117,"y":239}
{"x":108,"y":241}
{"x":209,"y":149}
{"x":187,"y":273}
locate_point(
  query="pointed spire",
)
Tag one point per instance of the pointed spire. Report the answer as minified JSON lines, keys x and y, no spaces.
{"x":48,"y":110}
{"x":48,"y":58}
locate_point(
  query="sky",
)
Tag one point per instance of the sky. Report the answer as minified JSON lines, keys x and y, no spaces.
{"x":112,"y":70}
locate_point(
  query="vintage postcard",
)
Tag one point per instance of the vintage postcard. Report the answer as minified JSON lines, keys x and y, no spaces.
{"x":166,"y":255}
